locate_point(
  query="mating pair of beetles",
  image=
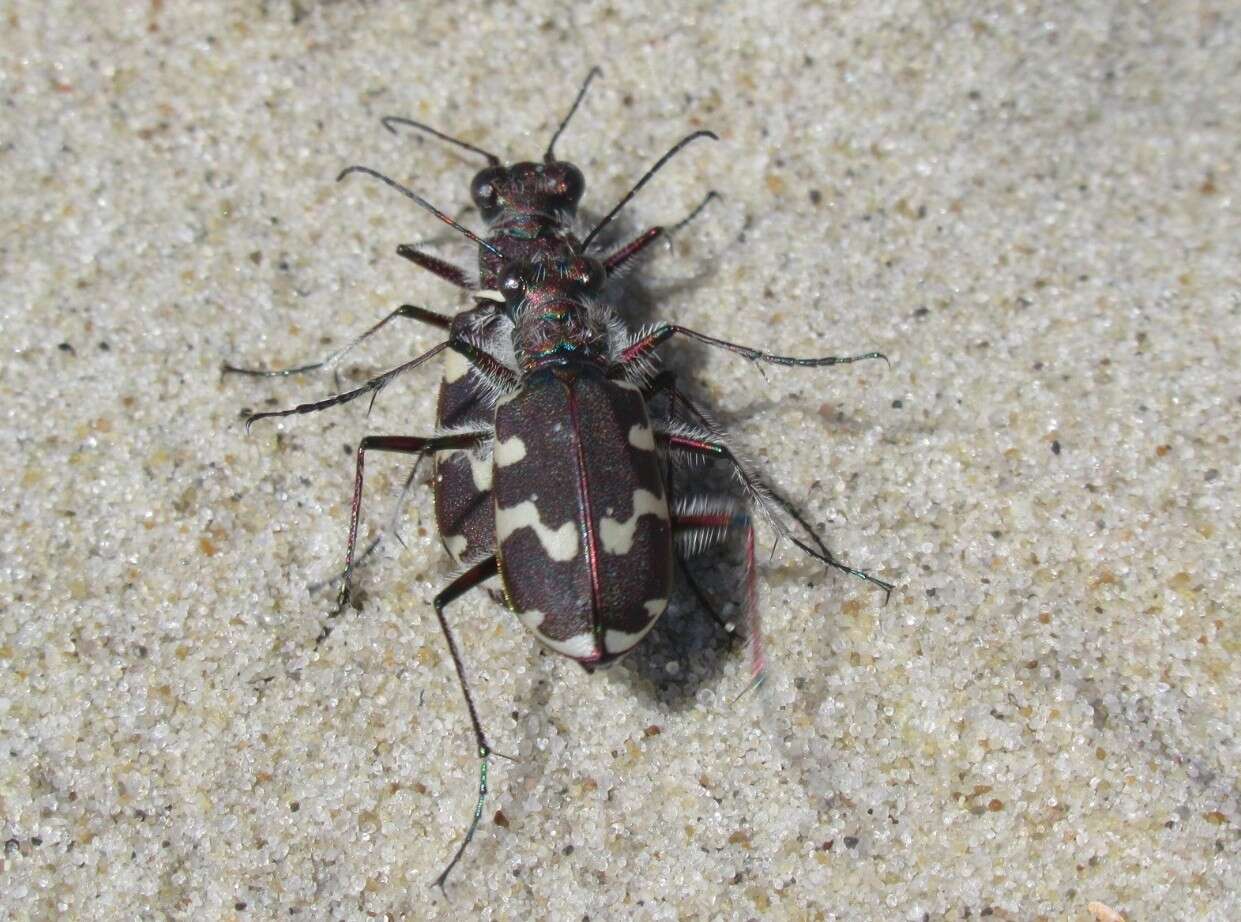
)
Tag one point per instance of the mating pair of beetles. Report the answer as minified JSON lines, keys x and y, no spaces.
{"x":551,"y":469}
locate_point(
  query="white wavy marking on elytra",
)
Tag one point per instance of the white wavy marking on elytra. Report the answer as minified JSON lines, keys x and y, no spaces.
{"x":620,"y":641}
{"x":561,"y":544}
{"x":509,"y":451}
{"x":456,"y":366}
{"x":480,"y":468}
{"x":640,"y":436}
{"x":531,"y":618}
{"x":579,"y":646}
{"x":617,"y":536}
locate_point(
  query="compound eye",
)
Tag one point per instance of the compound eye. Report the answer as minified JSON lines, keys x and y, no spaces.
{"x":484,"y":189}
{"x":512,"y":282}
{"x":570,"y":183}
{"x":598,"y":276}
{"x":590,"y":274}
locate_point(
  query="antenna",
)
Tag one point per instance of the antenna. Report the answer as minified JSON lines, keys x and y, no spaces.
{"x":688,"y":139}
{"x":409,"y":193}
{"x":548,"y":157}
{"x":391,"y":120}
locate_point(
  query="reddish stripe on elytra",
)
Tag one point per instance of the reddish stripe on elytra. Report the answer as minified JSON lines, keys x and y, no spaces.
{"x":588,"y":519}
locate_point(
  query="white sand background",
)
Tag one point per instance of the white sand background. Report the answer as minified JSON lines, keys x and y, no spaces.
{"x":1032,"y":210}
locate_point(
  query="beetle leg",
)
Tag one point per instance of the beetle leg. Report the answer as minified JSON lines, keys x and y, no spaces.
{"x":405,"y":311}
{"x":665,"y":383}
{"x":636,"y":246}
{"x":644,"y":345}
{"x":706,"y":200}
{"x":489,"y":366}
{"x":702,"y":523}
{"x":374,"y":385}
{"x":475,"y":576}
{"x":453,"y":275}
{"x":699,"y":593}
{"x":404,"y":444}
{"x":465,"y":416}
{"x":706,"y":448}
{"x":393,"y":527}
{"x":613,"y":263}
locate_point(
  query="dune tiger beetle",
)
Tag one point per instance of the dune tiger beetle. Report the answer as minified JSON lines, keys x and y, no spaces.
{"x":583,"y":531}
{"x":530,"y":210}
{"x":583,"y":541}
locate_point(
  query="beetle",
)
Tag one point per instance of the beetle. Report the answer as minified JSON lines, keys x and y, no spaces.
{"x":568,"y":497}
{"x":530,"y":209}
{"x":583,"y":541}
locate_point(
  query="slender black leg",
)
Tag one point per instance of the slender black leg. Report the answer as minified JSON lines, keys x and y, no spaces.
{"x":631,"y":249}
{"x":665,"y":331}
{"x":698,"y":524}
{"x":714,"y":524}
{"x":698,"y":209}
{"x":487,"y":365}
{"x":405,"y":311}
{"x":373,"y":386}
{"x":720,"y":451}
{"x":665,"y":383}
{"x":403,"y":444}
{"x":704,"y":602}
{"x":393,"y":527}
{"x":475,"y":576}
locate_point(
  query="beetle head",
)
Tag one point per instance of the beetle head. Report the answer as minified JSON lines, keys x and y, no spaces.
{"x":551,"y":188}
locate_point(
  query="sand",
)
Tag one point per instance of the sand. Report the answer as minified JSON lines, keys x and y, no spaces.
{"x":1032,"y":211}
